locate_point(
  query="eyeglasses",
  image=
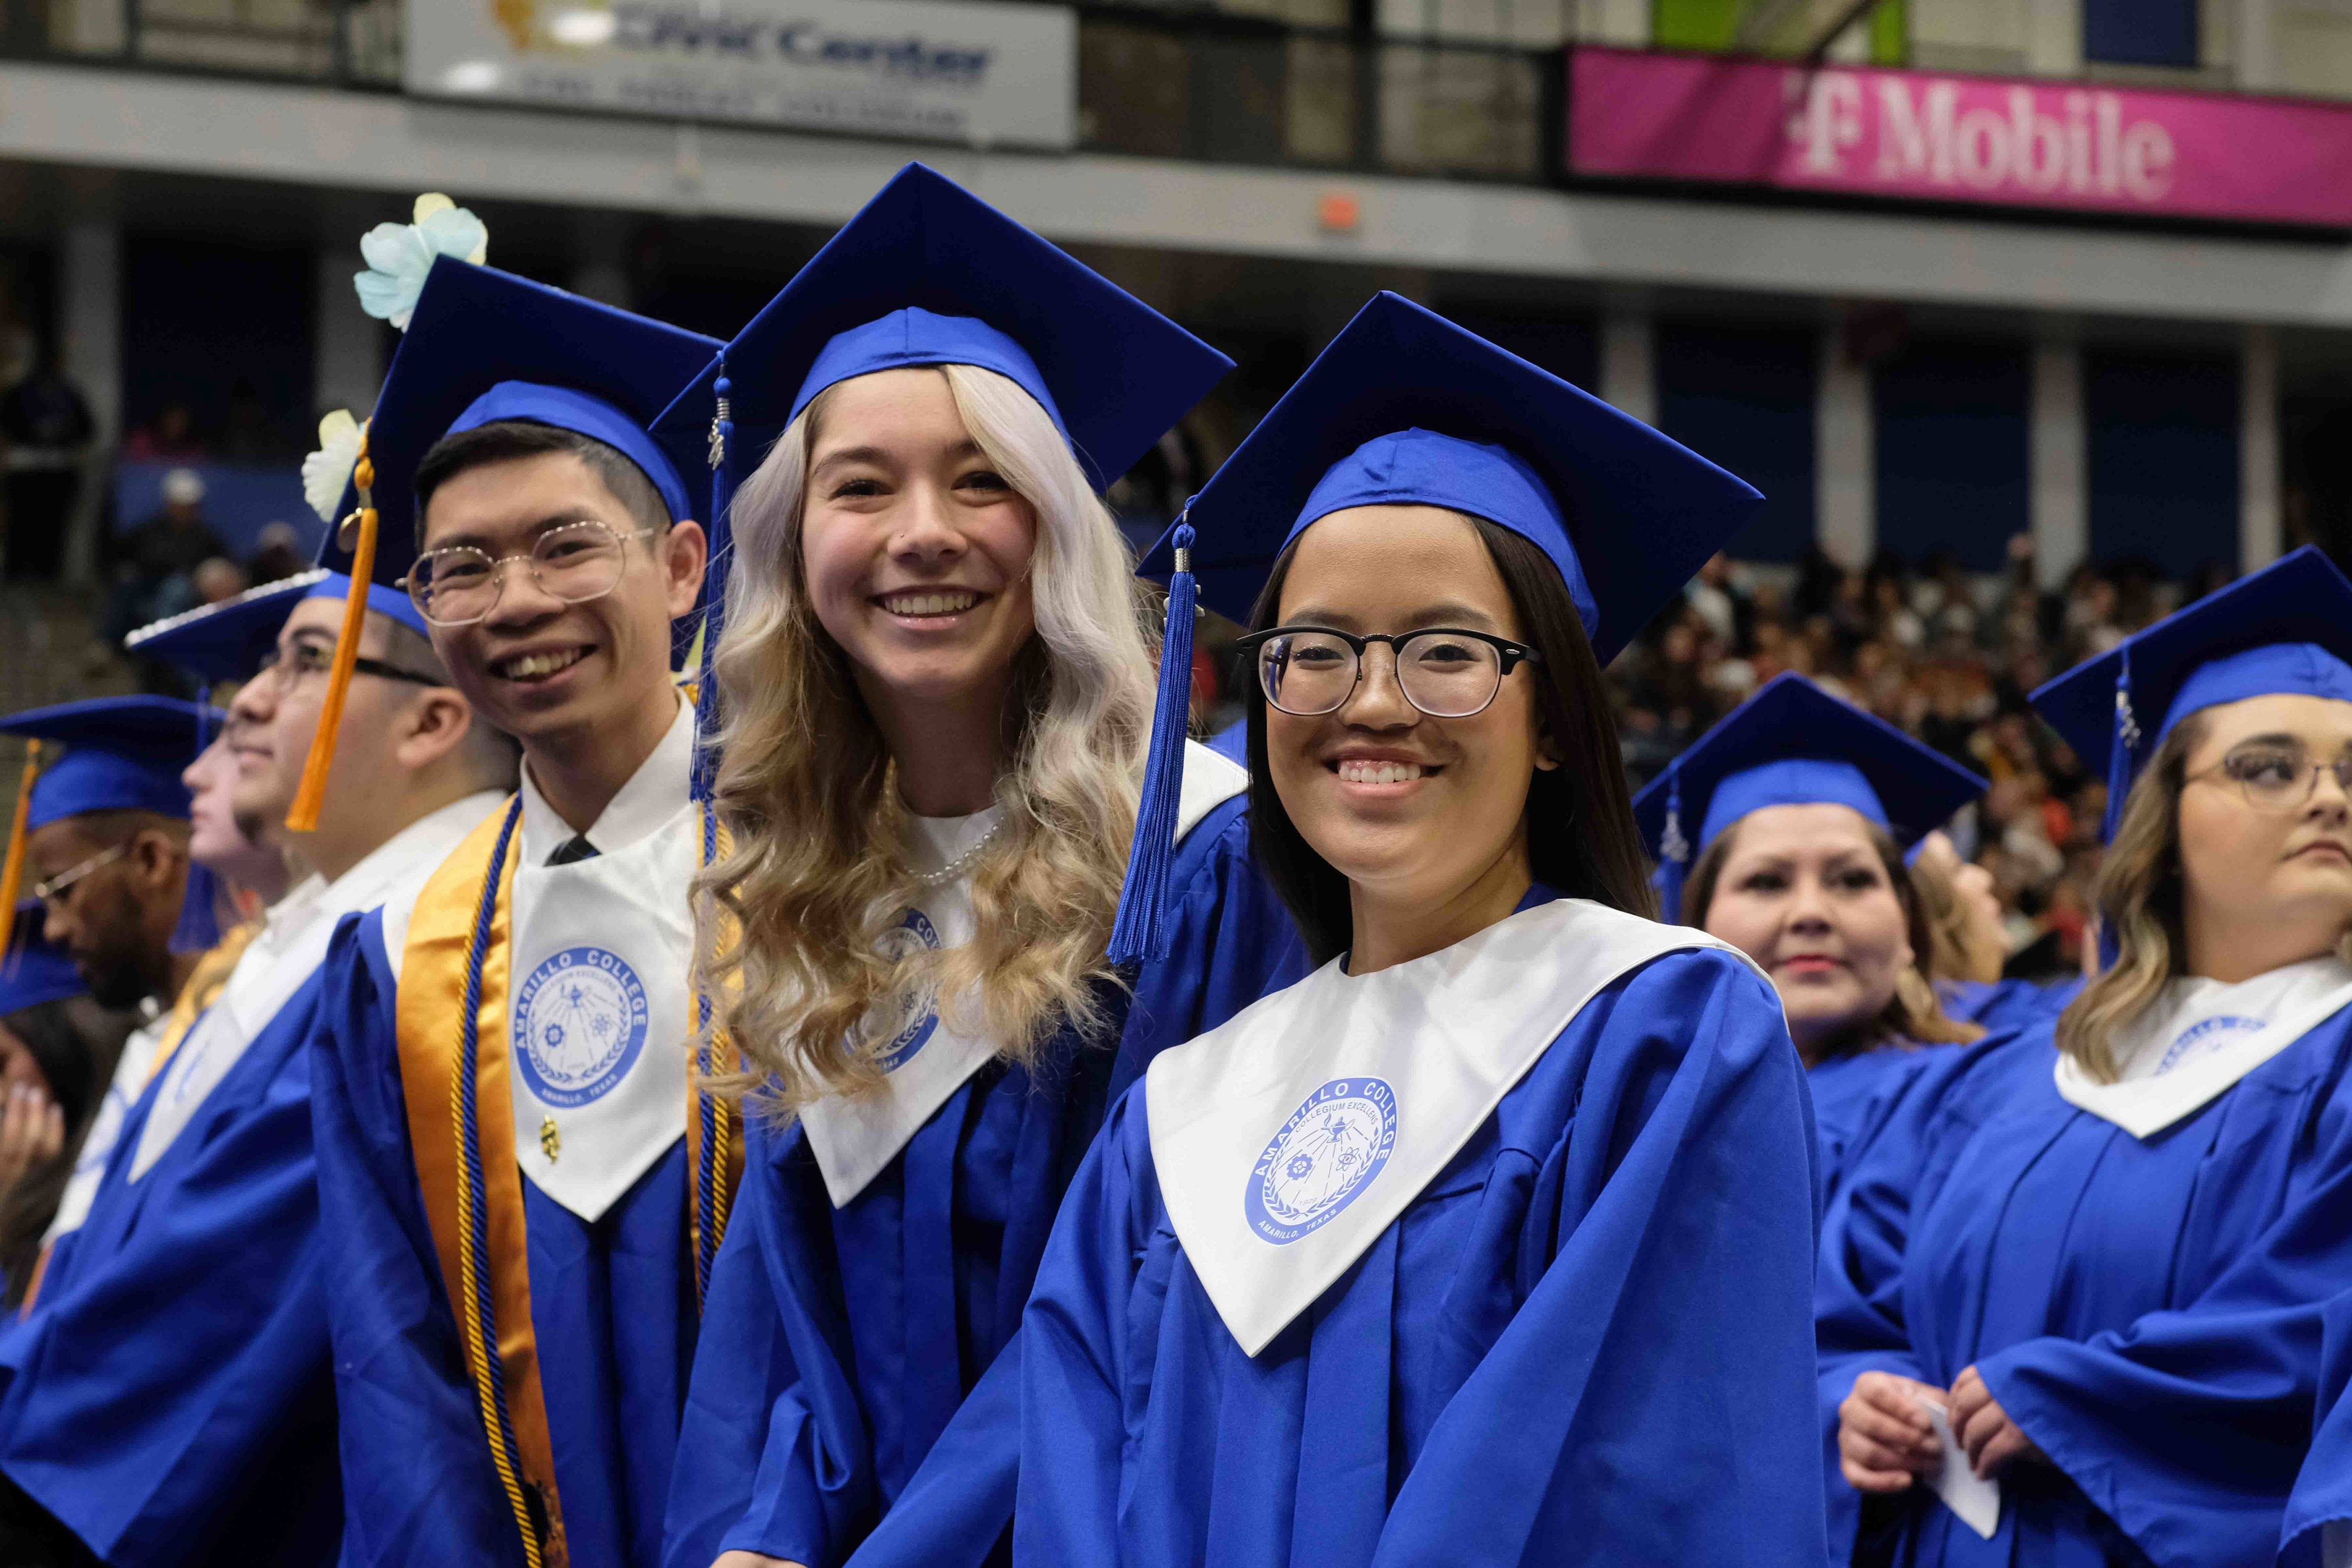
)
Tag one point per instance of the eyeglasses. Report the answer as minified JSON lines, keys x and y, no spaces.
{"x":53,"y":892}
{"x":576,"y":562}
{"x":2275,"y":779}
{"x":1445,"y":672}
{"x":289,"y":667}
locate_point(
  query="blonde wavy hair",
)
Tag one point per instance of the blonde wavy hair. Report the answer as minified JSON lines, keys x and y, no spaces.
{"x":2137,"y":899}
{"x":789,"y":946}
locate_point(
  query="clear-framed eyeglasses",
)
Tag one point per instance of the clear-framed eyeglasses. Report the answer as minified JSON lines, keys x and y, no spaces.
{"x":1445,"y":672}
{"x":2276,"y":778}
{"x":574,"y":561}
{"x":54,"y":893}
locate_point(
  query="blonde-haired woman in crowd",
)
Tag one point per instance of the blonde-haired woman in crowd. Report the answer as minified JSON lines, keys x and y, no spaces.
{"x":938,"y":697}
{"x":2100,"y":1248}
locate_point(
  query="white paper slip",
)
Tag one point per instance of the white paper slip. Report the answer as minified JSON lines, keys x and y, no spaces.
{"x":1977,"y":1501}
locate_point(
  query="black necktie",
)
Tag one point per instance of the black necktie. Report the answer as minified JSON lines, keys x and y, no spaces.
{"x":573,"y":848}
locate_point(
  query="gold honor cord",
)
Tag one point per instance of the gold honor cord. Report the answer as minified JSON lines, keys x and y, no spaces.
{"x":12,"y":872}
{"x":711,"y":1175}
{"x":303,"y":815}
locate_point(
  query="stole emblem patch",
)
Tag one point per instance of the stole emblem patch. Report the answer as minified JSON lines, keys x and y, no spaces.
{"x":918,"y":1016}
{"x":1326,"y":1154}
{"x":580,"y":1022}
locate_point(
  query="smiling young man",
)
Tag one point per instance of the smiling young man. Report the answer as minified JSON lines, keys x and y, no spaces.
{"x":515,"y":1160}
{"x":205,"y":1432}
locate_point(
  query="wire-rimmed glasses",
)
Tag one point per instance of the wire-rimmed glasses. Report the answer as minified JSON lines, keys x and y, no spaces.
{"x":2276,"y":778}
{"x":1445,"y":672}
{"x":459,"y":585}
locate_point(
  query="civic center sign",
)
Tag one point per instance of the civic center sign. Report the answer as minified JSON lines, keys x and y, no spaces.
{"x":1933,"y":136}
{"x":966,"y":71}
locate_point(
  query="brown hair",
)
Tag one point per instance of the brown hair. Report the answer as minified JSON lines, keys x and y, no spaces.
{"x":1581,"y":841}
{"x":1913,"y":1014}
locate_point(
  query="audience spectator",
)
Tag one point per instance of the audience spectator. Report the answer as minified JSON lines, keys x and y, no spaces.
{"x":276,"y":554}
{"x":47,"y":429}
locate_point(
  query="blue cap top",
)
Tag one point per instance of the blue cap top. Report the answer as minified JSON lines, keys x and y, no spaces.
{"x":928,"y":273}
{"x":34,"y":971}
{"x":1793,"y":743}
{"x":125,"y":753}
{"x":1406,"y":407}
{"x":485,"y":345}
{"x":2286,"y":628}
{"x":228,"y":640}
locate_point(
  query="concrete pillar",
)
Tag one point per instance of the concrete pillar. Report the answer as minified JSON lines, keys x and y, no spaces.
{"x":2058,"y":460}
{"x":2254,"y":43}
{"x":2259,"y":528}
{"x":89,"y":319}
{"x":1629,"y":367}
{"x":2053,"y":37}
{"x":1846,"y":455}
{"x":1623,"y":22}
{"x":347,"y":343}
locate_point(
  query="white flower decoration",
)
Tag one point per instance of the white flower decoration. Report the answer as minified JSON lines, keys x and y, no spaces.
{"x":399,"y":255}
{"x":327,"y":471}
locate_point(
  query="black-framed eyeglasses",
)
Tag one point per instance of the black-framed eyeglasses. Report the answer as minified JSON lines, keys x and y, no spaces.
{"x":290,"y":666}
{"x":1445,"y":672}
{"x":54,"y":893}
{"x":459,"y":585}
{"x":2276,"y":778}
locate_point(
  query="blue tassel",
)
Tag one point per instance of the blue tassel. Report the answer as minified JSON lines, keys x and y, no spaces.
{"x":1673,"y":853}
{"x":198,"y":929}
{"x":2120,"y":764}
{"x":714,"y":586}
{"x":1140,"y":932}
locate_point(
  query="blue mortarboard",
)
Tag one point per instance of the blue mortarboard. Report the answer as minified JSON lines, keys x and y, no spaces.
{"x":33,"y":971}
{"x":1794,"y":744}
{"x":2286,"y":628}
{"x":122,"y":753}
{"x":1404,"y":407}
{"x":928,"y":274}
{"x":228,"y":640}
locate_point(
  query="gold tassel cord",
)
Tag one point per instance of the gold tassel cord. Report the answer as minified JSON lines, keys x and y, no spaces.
{"x":12,"y":872}
{"x":303,"y":818}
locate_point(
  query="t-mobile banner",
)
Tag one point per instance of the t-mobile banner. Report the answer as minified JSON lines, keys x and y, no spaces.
{"x":1920,"y":135}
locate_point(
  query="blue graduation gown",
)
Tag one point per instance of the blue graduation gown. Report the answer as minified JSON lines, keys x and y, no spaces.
{"x":2001,"y":1004}
{"x":838,"y":1344}
{"x":612,"y":1308}
{"x":168,"y":1400}
{"x":1586,"y":1340}
{"x":1854,"y":1095}
{"x":2147,"y":1312}
{"x":2323,"y":1492}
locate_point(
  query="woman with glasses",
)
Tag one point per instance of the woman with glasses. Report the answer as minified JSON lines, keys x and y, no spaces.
{"x":2098,"y":1259}
{"x":1782,"y":830}
{"x":1490,"y":1241}
{"x":937,"y":696}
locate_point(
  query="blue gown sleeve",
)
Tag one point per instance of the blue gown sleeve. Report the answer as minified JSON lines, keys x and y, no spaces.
{"x":2195,"y":1412}
{"x":1652,"y":1400}
{"x":418,"y":1485}
{"x":1072,"y":1421}
{"x":2322,"y":1502}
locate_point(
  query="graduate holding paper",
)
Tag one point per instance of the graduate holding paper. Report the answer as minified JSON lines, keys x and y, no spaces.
{"x":1490,"y":1241}
{"x":1802,"y":807}
{"x":937,"y":698}
{"x":521,"y":1175}
{"x":2105,"y":1243}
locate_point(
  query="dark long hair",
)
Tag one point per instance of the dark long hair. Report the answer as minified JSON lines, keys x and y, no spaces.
{"x":75,"y":1043}
{"x":1581,"y":841}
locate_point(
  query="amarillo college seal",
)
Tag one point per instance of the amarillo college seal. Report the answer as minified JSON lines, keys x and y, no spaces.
{"x":579,"y":1023}
{"x":919,"y":1015}
{"x":1329,"y":1150}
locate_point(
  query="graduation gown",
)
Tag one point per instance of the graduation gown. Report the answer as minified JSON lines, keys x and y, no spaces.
{"x":2001,"y":1004}
{"x":2318,"y":1532}
{"x":840,"y":1341}
{"x":169,"y":1397}
{"x":1581,"y":1335}
{"x":2147,"y":1310}
{"x":1853,"y":1096}
{"x":595,"y":1316}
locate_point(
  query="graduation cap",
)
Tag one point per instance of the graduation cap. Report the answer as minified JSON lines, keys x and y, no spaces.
{"x":484,"y":346}
{"x":33,"y":971}
{"x":1406,"y":408}
{"x":929,"y":274}
{"x":1793,"y":743}
{"x":122,"y":753}
{"x":2286,"y":628}
{"x":228,"y":641}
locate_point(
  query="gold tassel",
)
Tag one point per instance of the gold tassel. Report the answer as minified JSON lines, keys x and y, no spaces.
{"x":303,"y":818}
{"x":12,"y":872}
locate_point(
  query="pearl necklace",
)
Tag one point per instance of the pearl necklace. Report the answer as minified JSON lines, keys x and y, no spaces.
{"x":961,"y":863}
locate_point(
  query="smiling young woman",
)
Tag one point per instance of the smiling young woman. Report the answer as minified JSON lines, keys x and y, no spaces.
{"x":1496,"y":1231}
{"x":2105,"y":1239}
{"x":938,"y":694}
